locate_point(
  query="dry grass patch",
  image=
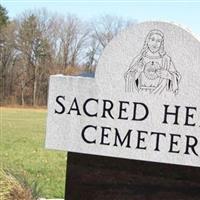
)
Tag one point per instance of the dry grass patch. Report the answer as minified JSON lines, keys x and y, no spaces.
{"x":16,"y":188}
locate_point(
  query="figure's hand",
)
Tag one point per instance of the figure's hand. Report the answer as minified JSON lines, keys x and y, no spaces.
{"x":129,"y":74}
{"x":163,"y":73}
{"x":137,"y":68}
{"x":140,"y":66}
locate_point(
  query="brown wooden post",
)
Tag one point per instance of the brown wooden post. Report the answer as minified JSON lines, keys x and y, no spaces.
{"x":92,"y":177}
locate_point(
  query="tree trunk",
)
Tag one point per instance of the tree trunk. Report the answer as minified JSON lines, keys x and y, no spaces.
{"x":22,"y":93}
{"x":65,"y":57}
{"x":22,"y":97}
{"x":35,"y":86}
{"x":34,"y":92}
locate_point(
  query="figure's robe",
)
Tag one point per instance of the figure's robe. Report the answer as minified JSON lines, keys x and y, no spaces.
{"x":137,"y":78}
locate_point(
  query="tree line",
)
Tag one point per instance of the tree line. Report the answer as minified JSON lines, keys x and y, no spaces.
{"x":37,"y":44}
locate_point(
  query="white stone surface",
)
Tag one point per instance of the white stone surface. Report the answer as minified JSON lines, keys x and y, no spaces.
{"x":128,"y":55}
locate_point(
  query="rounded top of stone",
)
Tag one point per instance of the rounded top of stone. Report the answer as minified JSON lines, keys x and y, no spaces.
{"x":121,"y":67}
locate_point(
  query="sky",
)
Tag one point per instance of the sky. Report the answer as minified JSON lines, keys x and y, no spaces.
{"x":186,"y":13}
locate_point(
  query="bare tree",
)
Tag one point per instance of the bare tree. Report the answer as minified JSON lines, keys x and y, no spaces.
{"x":38,"y":44}
{"x":103,"y":31}
{"x":106,"y":27}
{"x":33,"y":47}
{"x":7,"y":59}
{"x":71,"y":39}
{"x":92,"y":54}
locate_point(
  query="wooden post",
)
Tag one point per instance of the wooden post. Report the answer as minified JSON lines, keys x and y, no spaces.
{"x":103,"y":178}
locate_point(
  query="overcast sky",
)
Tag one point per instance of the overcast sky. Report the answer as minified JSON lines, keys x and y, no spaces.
{"x":186,"y":13}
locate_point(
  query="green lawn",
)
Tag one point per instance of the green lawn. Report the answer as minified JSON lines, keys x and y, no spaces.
{"x":22,"y":150}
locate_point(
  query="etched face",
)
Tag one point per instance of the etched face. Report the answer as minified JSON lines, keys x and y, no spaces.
{"x":154,"y":43}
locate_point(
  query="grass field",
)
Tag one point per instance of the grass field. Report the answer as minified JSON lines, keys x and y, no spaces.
{"x":22,"y":150}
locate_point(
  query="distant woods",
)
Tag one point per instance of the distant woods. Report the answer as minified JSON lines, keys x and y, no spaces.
{"x":37,"y":44}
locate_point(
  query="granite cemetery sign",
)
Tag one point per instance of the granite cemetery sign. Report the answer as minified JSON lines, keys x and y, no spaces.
{"x":143,"y":103}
